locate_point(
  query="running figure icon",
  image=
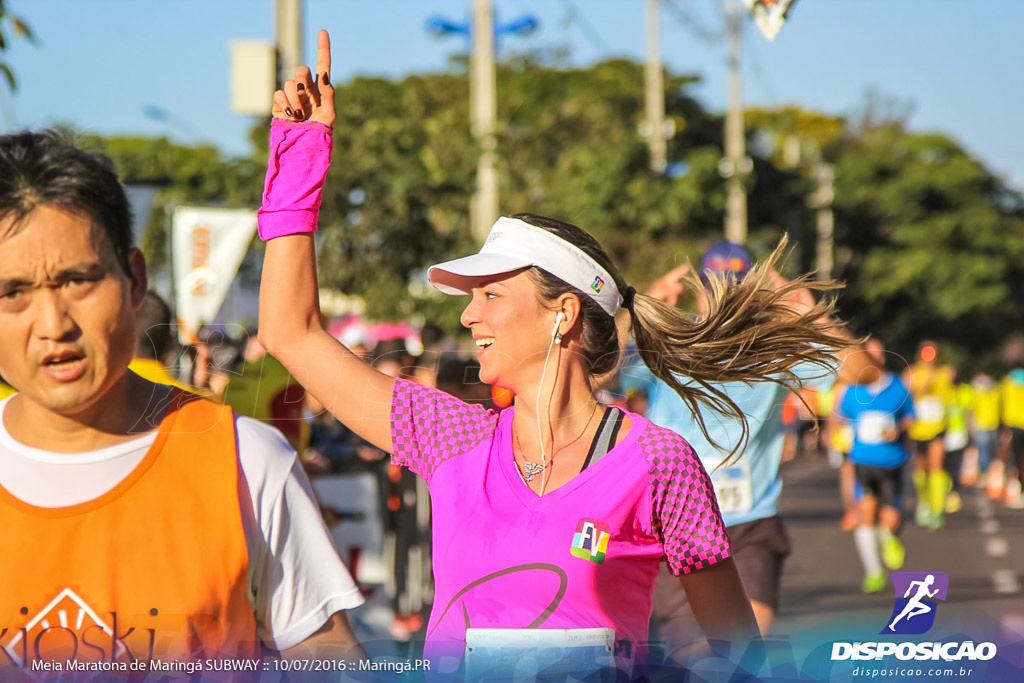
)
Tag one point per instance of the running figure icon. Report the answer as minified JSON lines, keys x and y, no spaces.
{"x":915,"y":606}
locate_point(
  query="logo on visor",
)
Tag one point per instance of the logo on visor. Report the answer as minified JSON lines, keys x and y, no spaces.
{"x":914,"y":612}
{"x":597,"y":285}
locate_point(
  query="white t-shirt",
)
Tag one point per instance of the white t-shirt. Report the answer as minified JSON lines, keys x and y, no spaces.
{"x":296,"y":580}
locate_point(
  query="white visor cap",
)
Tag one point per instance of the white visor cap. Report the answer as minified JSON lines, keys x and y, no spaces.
{"x":513,"y":244}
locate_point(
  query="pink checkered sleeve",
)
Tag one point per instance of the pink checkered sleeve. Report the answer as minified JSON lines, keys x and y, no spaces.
{"x":429,"y":426}
{"x":685,"y":511}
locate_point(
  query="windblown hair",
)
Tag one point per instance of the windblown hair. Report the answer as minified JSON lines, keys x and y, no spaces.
{"x":46,"y":168}
{"x":749,"y":333}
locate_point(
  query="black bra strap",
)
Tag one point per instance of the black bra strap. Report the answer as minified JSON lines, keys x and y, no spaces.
{"x":604,"y":439}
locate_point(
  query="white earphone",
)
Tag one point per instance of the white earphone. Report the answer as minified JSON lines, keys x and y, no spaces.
{"x":554,"y":330}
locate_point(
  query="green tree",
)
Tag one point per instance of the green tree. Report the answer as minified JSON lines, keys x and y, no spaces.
{"x":927,"y":239}
{"x":788,"y":143}
{"x":929,"y":242}
{"x":184,"y":175}
{"x":19,"y":29}
{"x":398,"y":194}
{"x":398,"y":189}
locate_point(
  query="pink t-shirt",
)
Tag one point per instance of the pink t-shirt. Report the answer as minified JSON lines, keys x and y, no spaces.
{"x":582,"y":556}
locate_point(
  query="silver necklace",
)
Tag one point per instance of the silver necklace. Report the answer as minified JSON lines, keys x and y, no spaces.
{"x":532,"y":469}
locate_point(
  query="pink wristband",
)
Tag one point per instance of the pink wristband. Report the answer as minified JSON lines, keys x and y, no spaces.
{"x":300,"y":154}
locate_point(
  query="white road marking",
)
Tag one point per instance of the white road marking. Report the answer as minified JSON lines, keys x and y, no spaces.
{"x":997,"y":546}
{"x":1005,"y":581}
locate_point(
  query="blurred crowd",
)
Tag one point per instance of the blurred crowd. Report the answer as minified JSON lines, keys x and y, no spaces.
{"x":963,"y":429}
{"x":967,"y":426}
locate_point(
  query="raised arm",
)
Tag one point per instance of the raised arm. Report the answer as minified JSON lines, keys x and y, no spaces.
{"x":290,"y":324}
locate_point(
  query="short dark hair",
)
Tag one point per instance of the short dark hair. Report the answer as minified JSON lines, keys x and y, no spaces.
{"x":153,"y":327}
{"x":47,"y":168}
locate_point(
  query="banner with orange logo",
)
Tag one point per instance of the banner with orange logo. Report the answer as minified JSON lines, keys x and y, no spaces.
{"x":207,"y":247}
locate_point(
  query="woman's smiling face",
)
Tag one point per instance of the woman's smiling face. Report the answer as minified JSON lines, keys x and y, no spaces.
{"x":511,"y":328}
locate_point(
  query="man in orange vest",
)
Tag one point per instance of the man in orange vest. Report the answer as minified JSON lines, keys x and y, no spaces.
{"x":145,"y":529}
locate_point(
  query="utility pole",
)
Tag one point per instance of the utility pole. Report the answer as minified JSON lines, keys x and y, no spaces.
{"x":735,"y":165}
{"x":655,"y":94}
{"x":288,"y":27}
{"x":483,"y":102}
{"x":821,"y":202}
{"x":483,"y":115}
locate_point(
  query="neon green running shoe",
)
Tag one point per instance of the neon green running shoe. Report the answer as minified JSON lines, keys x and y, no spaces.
{"x":873,"y":583}
{"x":922,"y":514}
{"x":893,"y":552}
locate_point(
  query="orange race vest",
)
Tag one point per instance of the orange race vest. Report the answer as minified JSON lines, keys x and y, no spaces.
{"x":152,"y":572}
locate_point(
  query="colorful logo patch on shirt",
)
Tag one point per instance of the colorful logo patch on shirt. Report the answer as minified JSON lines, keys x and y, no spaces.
{"x":598,"y":284}
{"x":590,"y":541}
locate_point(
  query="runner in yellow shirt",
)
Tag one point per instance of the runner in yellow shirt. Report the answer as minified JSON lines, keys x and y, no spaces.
{"x":1012,"y":397}
{"x":931,"y":386}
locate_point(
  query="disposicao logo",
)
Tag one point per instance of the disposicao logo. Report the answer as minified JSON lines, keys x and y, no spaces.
{"x":912,"y":614}
{"x":916,"y":592}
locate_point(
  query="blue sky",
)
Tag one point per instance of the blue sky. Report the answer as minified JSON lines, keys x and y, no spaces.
{"x":100,"y":63}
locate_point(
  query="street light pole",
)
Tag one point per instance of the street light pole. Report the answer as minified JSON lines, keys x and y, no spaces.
{"x":736,"y":163}
{"x":288,"y":27}
{"x":655,"y":94}
{"x":483,"y":209}
{"x":483,"y":107}
{"x":821,"y":201}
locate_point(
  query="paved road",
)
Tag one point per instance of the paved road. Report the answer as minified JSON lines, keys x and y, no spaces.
{"x":981,"y":549}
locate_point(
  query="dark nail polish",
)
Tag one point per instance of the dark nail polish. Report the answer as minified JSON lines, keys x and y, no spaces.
{"x":300,"y":87}
{"x":299,"y":114}
{"x":287,"y":110}
{"x":327,"y":80}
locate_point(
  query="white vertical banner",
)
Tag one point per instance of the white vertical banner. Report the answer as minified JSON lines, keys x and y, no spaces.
{"x":207,"y":247}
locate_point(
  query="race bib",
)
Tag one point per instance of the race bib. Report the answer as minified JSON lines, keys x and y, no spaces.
{"x":531,"y":653}
{"x":930,"y":409}
{"x":954,"y":440}
{"x":733,"y":488}
{"x":872,"y":426}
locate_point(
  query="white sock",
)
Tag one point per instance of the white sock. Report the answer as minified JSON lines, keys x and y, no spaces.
{"x":866,"y":540}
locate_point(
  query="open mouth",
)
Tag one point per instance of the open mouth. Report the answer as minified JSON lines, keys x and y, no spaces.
{"x":64,"y":367}
{"x":483,"y":342}
{"x":64,"y":360}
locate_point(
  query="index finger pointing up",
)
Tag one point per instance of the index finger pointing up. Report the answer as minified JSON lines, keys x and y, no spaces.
{"x":323,"y":54}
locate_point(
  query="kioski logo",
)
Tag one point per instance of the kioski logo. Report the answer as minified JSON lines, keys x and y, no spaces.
{"x":598,"y":284}
{"x":916,"y":593}
{"x":67,"y":621}
{"x":590,"y":541}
